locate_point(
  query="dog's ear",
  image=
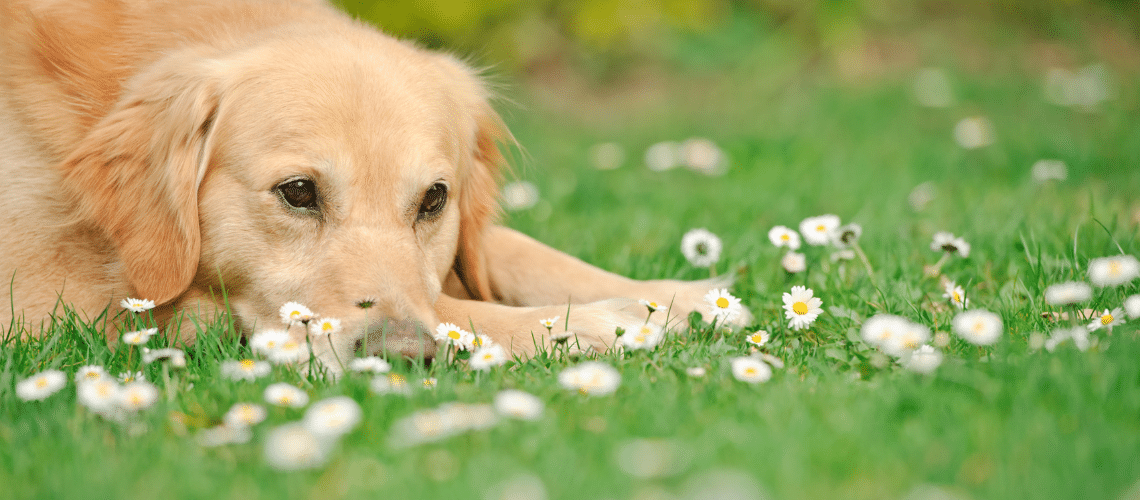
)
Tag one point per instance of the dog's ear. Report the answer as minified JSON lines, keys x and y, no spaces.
{"x":136,"y":173}
{"x":477,"y":201}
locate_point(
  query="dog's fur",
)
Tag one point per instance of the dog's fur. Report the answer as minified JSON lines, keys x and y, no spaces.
{"x":142,"y":143}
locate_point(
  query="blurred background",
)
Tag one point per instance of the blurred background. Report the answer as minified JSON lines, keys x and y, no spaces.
{"x":938,"y":112}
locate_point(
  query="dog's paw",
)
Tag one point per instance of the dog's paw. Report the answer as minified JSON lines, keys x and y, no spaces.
{"x":584,"y":328}
{"x":679,"y":299}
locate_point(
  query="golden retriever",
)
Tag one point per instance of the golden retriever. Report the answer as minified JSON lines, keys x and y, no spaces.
{"x":235,"y":155}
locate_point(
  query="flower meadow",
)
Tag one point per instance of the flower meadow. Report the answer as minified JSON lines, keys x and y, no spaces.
{"x":941,"y":300}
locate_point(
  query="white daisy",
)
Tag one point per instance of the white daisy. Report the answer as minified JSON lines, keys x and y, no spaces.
{"x":138,"y":337}
{"x":1113,"y":271}
{"x":978,"y":326}
{"x":1046,"y":170}
{"x":701,"y":247}
{"x":549,"y":323}
{"x":137,"y":396}
{"x":941,"y":339}
{"x":759,"y":338}
{"x":292,"y":313}
{"x":137,"y":305}
{"x":591,"y":378}
{"x":1078,"y":334}
{"x":1132,"y":306}
{"x":324,"y":326}
{"x":845,"y":254}
{"x":817,"y":230}
{"x":295,"y":447}
{"x":519,"y":195}
{"x":288,"y":351}
{"x":246,"y":369}
{"x":750,"y":370}
{"x":244,"y":415}
{"x":910,"y":338}
{"x":663,"y":156}
{"x":393,"y":383}
{"x":956,"y":295}
{"x":696,"y":371}
{"x":335,"y":416}
{"x":1063,"y":294}
{"x":974,"y":132}
{"x":1107,"y":319}
{"x":90,"y":373}
{"x":487,"y":357}
{"x":128,"y":377}
{"x":946,"y":242}
{"x":651,"y":305}
{"x":723,"y":306}
{"x":801,"y":308}
{"x":450,"y":333}
{"x":518,"y":404}
{"x":924,"y":360}
{"x":177,"y":357}
{"x":562,"y":337}
{"x":429,"y":383}
{"x":371,"y":364}
{"x":222,"y":435}
{"x":846,"y":235}
{"x":772,"y":361}
{"x":267,"y":341}
{"x":41,"y":385}
{"x":783,"y":236}
{"x":282,"y":394}
{"x":794,"y":262}
{"x":882,"y":329}
{"x":480,"y":341}
{"x":646,"y":337}
{"x":99,"y":395}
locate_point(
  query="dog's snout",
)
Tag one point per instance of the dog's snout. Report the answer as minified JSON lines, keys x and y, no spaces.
{"x":407,"y":337}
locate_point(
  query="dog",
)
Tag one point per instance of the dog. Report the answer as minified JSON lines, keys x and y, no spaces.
{"x":230,"y":156}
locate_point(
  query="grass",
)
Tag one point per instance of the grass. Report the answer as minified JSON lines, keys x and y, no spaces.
{"x":837,"y":422}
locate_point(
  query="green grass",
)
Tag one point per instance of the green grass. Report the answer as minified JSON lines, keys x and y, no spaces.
{"x":1000,"y":422}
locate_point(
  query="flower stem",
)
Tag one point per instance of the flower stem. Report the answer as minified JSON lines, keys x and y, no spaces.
{"x":863,"y":257}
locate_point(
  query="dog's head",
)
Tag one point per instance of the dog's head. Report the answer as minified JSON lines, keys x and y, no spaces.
{"x":349,"y":172}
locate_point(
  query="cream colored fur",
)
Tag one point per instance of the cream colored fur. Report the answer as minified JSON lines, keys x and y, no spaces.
{"x":142,"y":142}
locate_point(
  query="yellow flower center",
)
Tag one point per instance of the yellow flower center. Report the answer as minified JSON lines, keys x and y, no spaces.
{"x":750,"y":371}
{"x":271,"y":344}
{"x":326,"y":326}
{"x":757,"y":338}
{"x":785,"y":237}
{"x":295,"y":315}
{"x":41,"y":383}
{"x":800,"y":308}
{"x":247,"y":364}
{"x":1106,"y":319}
{"x":454,"y":335}
{"x":979,"y":327}
{"x":397,"y":380}
{"x":821,"y":228}
{"x":284,"y":399}
{"x":104,"y":390}
{"x":488,"y":357}
{"x":92,"y":375}
{"x":957,"y":297}
{"x":477,"y":342}
{"x":582,"y":391}
{"x":136,"y":400}
{"x":1114,"y":268}
{"x":722,"y":302}
{"x":910,"y":344}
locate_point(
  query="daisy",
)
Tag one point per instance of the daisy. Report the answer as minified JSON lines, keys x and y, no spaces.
{"x":1132,"y":306}
{"x":922,"y":360}
{"x":223,"y":435}
{"x":177,"y":357}
{"x":139,"y":337}
{"x":244,"y":415}
{"x":978,"y":326}
{"x":881,"y":329}
{"x":486,"y":358}
{"x":846,"y":235}
{"x":783,"y":236}
{"x":759,"y":338}
{"x":801,"y":308}
{"x":371,"y":364}
{"x":335,"y":416}
{"x":293,"y":312}
{"x":518,"y":404}
{"x":946,"y":242}
{"x":41,"y":385}
{"x":295,"y":447}
{"x":591,"y":378}
{"x":480,"y":341}
{"x":701,"y":247}
{"x":99,"y":395}
{"x":450,"y":333}
{"x":751,"y":370}
{"x":910,"y":338}
{"x":646,"y":337}
{"x":246,"y":369}
{"x":696,"y":371}
{"x":137,"y":396}
{"x":956,"y":295}
{"x":1107,"y":319}
{"x":724,"y":307}
{"x":90,"y":373}
{"x":1063,"y":294}
{"x":137,"y":305}
{"x":845,"y":254}
{"x":549,"y":323}
{"x":1113,"y":271}
{"x":429,"y":383}
{"x":128,"y":377}
{"x":267,"y":341}
{"x":772,"y":361}
{"x":282,"y":394}
{"x":649,"y":304}
{"x":289,"y":351}
{"x":324,"y":326}
{"x":794,"y":262}
{"x":393,"y":383}
{"x":817,"y":230}
{"x":561,"y":337}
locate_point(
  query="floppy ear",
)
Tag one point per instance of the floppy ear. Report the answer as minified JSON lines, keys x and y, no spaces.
{"x":135,"y":175}
{"x":477,"y":201}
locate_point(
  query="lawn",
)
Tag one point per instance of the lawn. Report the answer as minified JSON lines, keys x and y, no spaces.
{"x":840,"y":419}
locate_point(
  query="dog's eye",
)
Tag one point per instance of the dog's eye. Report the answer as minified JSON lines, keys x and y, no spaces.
{"x":299,"y":193}
{"x":434,"y":200}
